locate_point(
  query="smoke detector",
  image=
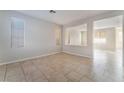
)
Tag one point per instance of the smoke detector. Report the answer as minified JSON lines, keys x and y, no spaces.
{"x":52,"y":11}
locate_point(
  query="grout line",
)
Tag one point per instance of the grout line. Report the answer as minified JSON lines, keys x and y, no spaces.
{"x":23,"y":72}
{"x":40,"y":71}
{"x":73,"y":70}
{"x":5,"y":73}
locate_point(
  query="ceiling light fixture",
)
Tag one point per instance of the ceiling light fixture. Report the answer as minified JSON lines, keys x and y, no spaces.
{"x":52,"y":11}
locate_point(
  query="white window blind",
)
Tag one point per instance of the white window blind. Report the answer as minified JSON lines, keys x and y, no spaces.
{"x":17,"y":32}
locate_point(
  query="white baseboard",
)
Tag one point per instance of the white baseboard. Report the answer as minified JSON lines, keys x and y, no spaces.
{"x":76,"y":54}
{"x":29,"y":58}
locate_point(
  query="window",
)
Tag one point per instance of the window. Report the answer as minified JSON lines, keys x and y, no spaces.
{"x":100,"y":36}
{"x":17,"y":32}
{"x":76,"y":35}
{"x":84,"y":38}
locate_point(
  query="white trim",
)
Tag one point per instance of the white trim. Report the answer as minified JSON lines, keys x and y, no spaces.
{"x":28,"y":58}
{"x":76,"y":54}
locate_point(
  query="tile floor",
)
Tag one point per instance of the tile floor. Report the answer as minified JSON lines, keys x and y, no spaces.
{"x":62,"y":67}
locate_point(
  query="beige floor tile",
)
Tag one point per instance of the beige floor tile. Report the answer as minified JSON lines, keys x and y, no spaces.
{"x":13,"y":65}
{"x":40,"y":80}
{"x":2,"y":72}
{"x":73,"y":76}
{"x":34,"y":76}
{"x":13,"y":69}
{"x":32,"y":73}
{"x":57,"y":77}
{"x":86,"y":79}
{"x":47,"y":71}
{"x":15,"y":78}
{"x":60,"y":78}
{"x":14,"y":73}
{"x":63,"y":67}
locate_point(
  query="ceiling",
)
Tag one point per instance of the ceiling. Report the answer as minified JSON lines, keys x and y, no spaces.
{"x":108,"y":22}
{"x":63,"y":16}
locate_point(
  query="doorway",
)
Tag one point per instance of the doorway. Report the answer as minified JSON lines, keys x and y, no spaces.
{"x":108,"y":40}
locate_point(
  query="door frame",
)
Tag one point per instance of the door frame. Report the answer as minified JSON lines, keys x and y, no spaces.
{"x":109,"y":15}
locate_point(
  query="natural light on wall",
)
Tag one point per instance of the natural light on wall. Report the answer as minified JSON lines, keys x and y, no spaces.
{"x":100,"y":37}
{"x":57,"y":30}
{"x":76,"y":36}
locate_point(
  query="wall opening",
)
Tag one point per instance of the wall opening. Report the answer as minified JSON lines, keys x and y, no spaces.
{"x":108,"y":39}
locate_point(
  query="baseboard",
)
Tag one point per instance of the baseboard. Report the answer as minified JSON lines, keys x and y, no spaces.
{"x":29,"y":58}
{"x":76,"y":54}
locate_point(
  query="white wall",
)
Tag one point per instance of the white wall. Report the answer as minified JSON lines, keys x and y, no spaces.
{"x":75,"y":38}
{"x":39,"y":38}
{"x":86,"y":50}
